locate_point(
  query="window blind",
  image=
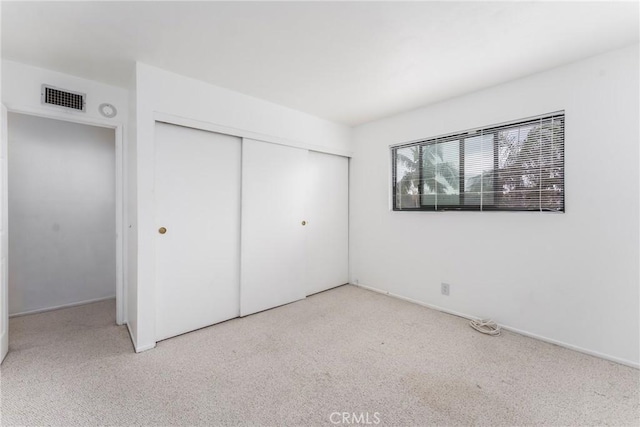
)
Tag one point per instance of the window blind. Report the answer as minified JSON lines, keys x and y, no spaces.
{"x":517,"y":166}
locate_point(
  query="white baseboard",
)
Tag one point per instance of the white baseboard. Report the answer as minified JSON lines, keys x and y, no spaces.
{"x":58,"y":307}
{"x":415,"y":301}
{"x":132,"y":337}
{"x":509,"y":328}
{"x":145,"y":348}
{"x":134,"y":341}
{"x":574,"y":347}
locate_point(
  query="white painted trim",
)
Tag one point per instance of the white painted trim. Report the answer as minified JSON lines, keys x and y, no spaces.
{"x":120,"y":184}
{"x":227,"y":130}
{"x":349,"y":220}
{"x":509,"y":328}
{"x":58,"y":307}
{"x":414,"y":301}
{"x":134,"y":341}
{"x":145,"y":348}
{"x":72,"y":117}
{"x":4,"y":239}
{"x":4,"y":339}
{"x":476,"y":129}
{"x":120,"y":195}
{"x":4,"y":335}
{"x":573,"y":347}
{"x":132,"y":337}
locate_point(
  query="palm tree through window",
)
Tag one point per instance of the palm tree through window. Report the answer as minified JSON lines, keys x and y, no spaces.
{"x":518,"y":166}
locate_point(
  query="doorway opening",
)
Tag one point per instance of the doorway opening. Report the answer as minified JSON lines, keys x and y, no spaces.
{"x":64,"y":198}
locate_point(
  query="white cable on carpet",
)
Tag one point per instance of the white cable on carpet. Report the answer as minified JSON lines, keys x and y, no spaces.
{"x":486,"y":326}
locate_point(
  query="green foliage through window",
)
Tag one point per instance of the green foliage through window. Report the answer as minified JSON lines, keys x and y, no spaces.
{"x":518,"y":166}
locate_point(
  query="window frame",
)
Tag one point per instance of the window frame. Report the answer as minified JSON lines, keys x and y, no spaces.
{"x":461,"y":136}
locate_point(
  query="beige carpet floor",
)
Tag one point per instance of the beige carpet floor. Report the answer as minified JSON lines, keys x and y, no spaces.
{"x":345,"y":350}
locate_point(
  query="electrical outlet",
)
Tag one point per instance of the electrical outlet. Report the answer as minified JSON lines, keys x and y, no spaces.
{"x":444,"y":289}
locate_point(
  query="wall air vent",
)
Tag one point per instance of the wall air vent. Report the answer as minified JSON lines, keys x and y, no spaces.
{"x":63,"y":98}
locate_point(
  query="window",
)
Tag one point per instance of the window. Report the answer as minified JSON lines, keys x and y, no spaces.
{"x":512,"y":167}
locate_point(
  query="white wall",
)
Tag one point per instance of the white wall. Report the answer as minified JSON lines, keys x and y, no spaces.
{"x":572,"y":277}
{"x":131,"y":213}
{"x":163,"y":94}
{"x":61,"y":213}
{"x":21,"y":85}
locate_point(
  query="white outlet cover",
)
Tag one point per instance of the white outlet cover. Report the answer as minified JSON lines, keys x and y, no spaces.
{"x":445,"y":288}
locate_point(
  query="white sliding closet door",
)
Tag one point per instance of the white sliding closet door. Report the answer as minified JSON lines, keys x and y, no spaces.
{"x":328,"y":216}
{"x":273,"y":237}
{"x":198,"y":203}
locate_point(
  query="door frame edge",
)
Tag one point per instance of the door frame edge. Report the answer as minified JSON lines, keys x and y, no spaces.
{"x":121,"y":181}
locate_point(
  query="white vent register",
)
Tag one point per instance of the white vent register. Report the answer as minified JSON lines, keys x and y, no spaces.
{"x":63,"y":98}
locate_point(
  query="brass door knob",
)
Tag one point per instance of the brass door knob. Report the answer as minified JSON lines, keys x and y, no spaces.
{"x":304,"y":222}
{"x":162,"y":230}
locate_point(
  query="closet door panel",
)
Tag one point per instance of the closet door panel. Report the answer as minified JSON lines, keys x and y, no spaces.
{"x":327,"y":208}
{"x":273,"y":236}
{"x":198,"y":203}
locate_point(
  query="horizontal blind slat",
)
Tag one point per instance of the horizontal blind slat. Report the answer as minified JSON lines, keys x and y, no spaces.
{"x":517,"y":166}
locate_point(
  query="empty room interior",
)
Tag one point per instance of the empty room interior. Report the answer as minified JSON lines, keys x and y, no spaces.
{"x":320,"y":213}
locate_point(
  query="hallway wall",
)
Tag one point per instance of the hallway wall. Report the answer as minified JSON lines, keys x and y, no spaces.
{"x":61,"y":191}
